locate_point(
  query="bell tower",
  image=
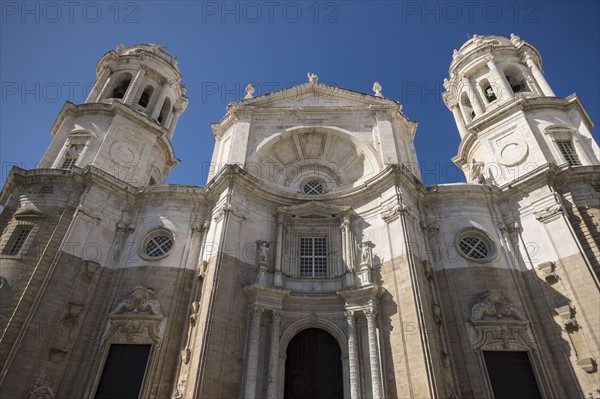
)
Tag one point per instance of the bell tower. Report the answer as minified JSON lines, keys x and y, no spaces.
{"x":509,"y":119}
{"x":126,"y":124}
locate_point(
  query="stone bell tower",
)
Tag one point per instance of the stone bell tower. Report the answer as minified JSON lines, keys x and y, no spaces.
{"x":509,"y":119}
{"x":126,"y":124}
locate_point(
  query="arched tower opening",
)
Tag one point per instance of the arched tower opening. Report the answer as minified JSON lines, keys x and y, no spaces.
{"x":516,"y":79}
{"x":142,"y":81}
{"x":520,"y":122}
{"x":121,"y":86}
{"x":489,"y":92}
{"x":467,"y":109}
{"x":145,"y":97}
{"x":164,"y":112}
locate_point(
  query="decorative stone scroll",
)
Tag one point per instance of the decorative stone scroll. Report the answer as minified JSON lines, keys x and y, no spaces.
{"x":392,"y":213}
{"x":179,"y":390}
{"x":549,"y":271}
{"x":497,"y":324}
{"x":494,"y":305}
{"x":41,"y":389}
{"x":515,"y":40}
{"x":548,"y":214}
{"x":136,"y":319}
{"x":567,"y":313}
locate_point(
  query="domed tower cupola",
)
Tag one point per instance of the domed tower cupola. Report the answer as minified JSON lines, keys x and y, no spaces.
{"x":506,"y":112}
{"x":144,"y":77}
{"x":126,"y":124}
{"x":489,"y":71}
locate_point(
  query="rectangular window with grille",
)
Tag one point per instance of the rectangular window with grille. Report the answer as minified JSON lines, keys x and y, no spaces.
{"x":313,"y":257}
{"x":69,"y":163}
{"x":568,"y":152}
{"x":19,"y":240}
{"x":72,"y":156}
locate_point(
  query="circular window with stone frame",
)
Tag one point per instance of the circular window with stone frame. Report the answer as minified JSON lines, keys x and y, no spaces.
{"x":475,"y":245}
{"x":157,"y":244}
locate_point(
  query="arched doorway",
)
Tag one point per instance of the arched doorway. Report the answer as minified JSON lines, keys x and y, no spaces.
{"x":313,"y":367}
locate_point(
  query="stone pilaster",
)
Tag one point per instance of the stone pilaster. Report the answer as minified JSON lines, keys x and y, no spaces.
{"x":274,"y":358}
{"x":159,"y":101}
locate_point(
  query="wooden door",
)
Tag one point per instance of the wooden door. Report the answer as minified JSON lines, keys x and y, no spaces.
{"x":313,"y":367}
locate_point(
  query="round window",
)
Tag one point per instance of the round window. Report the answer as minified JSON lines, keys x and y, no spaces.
{"x":476,"y":245}
{"x":313,"y":187}
{"x":158,"y":244}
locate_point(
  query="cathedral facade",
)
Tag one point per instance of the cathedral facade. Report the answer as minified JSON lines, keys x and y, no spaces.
{"x":314,"y":263}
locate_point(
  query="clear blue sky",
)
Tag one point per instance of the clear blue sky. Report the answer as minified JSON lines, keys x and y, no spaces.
{"x":49,"y":51}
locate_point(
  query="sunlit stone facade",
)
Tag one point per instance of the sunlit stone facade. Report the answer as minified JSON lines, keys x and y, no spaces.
{"x":314,"y":263}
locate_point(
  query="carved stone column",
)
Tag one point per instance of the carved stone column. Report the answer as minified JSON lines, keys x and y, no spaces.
{"x":344,"y":253}
{"x":132,"y":91}
{"x":353,"y":356}
{"x":99,"y":85}
{"x":176,"y":114}
{"x":539,"y":76}
{"x":159,"y":101}
{"x":274,"y":358}
{"x":506,"y":91}
{"x":458,"y":119}
{"x":472,"y":94}
{"x":371,"y":315}
{"x":252,"y":352}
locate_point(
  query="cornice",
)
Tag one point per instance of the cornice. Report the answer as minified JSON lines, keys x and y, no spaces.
{"x":140,"y":54}
{"x":117,"y":108}
{"x":517,"y":104}
{"x":391,"y":175}
{"x":263,"y":104}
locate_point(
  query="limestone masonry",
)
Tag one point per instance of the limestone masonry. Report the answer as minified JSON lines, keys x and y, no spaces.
{"x":314,"y":263}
